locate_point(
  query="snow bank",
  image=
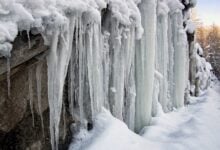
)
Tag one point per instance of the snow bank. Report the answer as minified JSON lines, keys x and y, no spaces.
{"x":196,"y":126}
{"x":109,"y":133}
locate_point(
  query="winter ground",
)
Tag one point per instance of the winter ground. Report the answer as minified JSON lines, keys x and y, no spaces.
{"x":194,"y":127}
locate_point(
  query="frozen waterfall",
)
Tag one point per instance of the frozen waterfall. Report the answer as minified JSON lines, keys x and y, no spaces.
{"x":125,"y":55}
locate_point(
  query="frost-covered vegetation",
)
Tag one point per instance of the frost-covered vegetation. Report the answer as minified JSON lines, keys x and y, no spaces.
{"x":128,"y":56}
{"x":209,"y":39}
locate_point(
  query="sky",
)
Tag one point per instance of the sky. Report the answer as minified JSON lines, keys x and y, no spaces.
{"x":209,"y":11}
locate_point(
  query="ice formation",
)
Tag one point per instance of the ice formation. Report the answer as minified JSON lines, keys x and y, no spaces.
{"x":145,"y":57}
{"x":125,"y":55}
{"x":200,"y":75}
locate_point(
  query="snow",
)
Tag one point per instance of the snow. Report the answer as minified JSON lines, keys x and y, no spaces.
{"x":196,"y":126}
{"x":175,"y":5}
{"x":190,"y":27}
{"x":109,"y":133}
{"x":199,"y":49}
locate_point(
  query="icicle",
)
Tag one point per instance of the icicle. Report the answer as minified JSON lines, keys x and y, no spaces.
{"x":58,"y":61}
{"x":170,"y":95}
{"x":162,"y":53}
{"x":130,"y":89}
{"x":180,"y":47}
{"x":9,"y":76}
{"x":145,"y":59}
{"x":39,"y":80}
{"x":52,"y":77}
{"x":117,"y":70}
{"x":81,"y":72}
{"x":106,"y":68}
{"x":71,"y":87}
{"x":29,"y":40}
{"x":74,"y":75}
{"x":95,"y":74}
{"x":64,"y":121}
{"x":155,"y":97}
{"x":31,"y":96}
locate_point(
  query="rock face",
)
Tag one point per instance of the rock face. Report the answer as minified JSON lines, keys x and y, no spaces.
{"x":24,"y":112}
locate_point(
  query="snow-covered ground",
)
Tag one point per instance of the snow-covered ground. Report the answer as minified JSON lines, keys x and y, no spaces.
{"x":194,"y":127}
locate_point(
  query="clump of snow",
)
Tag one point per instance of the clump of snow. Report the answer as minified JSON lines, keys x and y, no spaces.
{"x":175,"y":5}
{"x":127,"y":13}
{"x":8,"y":32}
{"x":190,"y":27}
{"x":199,"y":49}
{"x":202,"y":70}
{"x":162,"y":8}
{"x":192,"y":3}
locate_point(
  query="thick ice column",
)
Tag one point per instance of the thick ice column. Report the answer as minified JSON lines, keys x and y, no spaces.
{"x":180,"y":49}
{"x":93,"y":39}
{"x":170,"y":64}
{"x":162,"y":52}
{"x":39,"y":80}
{"x":106,"y":68}
{"x":73,"y":80}
{"x":145,"y":58}
{"x":86,"y":72}
{"x":58,"y":60}
{"x":117,"y":70}
{"x":130,"y":89}
{"x":31,"y":93}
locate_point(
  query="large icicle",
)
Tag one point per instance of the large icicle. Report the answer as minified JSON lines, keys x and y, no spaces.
{"x":9,"y":76}
{"x":117,"y":76}
{"x":171,"y":64}
{"x":180,"y":48}
{"x":58,"y":60}
{"x":130,"y":89}
{"x":80,"y":45}
{"x":38,"y":80}
{"x":145,"y":57}
{"x":162,"y":51}
{"x":86,"y":72}
{"x":31,"y":94}
{"x":94,"y":58}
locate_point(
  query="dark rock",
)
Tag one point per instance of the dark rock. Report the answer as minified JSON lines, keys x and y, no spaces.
{"x":17,"y":131}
